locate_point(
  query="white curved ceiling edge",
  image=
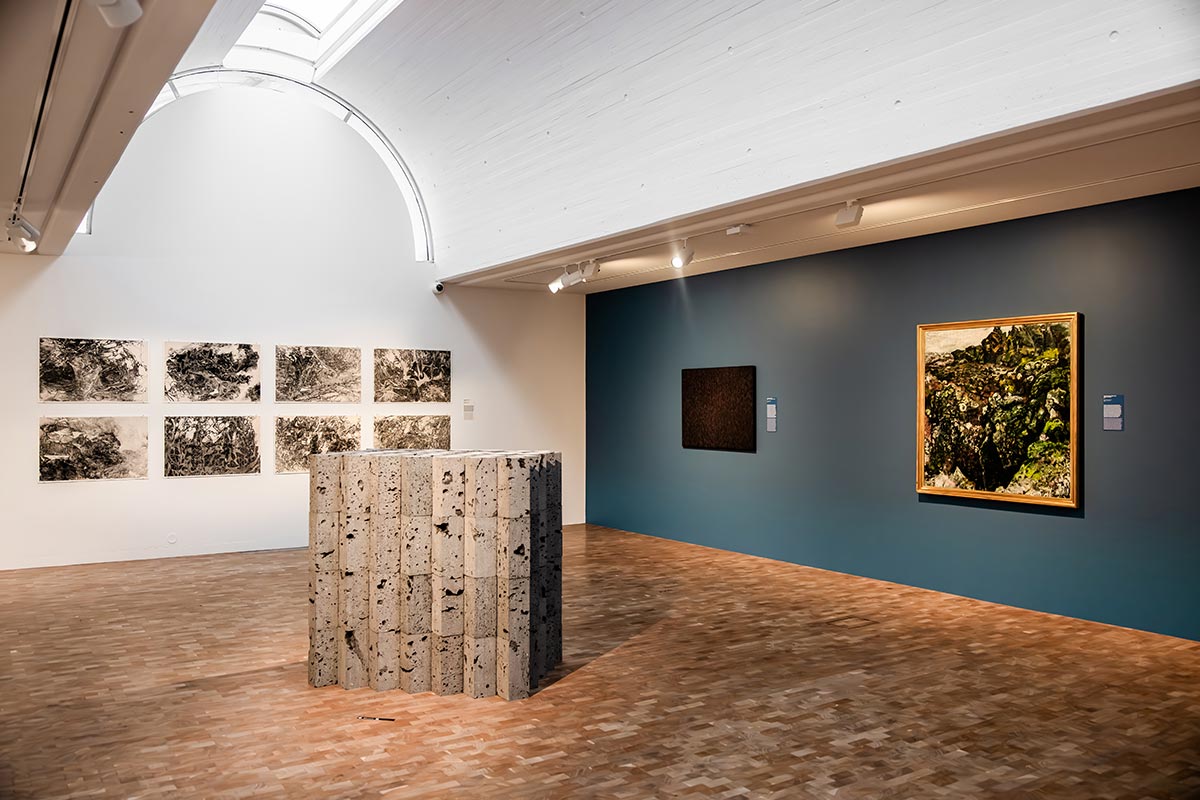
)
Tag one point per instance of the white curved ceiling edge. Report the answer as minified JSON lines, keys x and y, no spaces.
{"x":203,"y":79}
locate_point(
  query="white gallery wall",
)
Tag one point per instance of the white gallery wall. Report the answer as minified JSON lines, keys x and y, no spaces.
{"x":244,"y":216}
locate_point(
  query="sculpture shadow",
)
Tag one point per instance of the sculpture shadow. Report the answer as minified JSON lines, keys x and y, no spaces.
{"x":605,"y":607}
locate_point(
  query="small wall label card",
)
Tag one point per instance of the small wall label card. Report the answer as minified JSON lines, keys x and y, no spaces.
{"x":1114,"y":412}
{"x":772,"y":415}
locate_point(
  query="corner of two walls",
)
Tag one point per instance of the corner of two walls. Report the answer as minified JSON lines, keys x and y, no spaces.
{"x":240,"y":216}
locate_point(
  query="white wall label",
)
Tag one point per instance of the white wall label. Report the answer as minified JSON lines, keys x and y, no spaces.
{"x":1114,"y":412}
{"x":772,"y":412}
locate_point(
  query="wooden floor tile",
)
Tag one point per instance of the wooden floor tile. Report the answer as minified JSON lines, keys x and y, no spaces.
{"x":688,"y":673}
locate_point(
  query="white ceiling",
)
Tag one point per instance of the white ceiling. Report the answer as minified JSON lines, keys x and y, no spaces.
{"x":532,"y":124}
{"x":535,"y":125}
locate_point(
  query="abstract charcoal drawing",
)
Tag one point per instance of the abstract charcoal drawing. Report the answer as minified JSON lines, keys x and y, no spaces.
{"x":424,"y":432}
{"x":996,"y":404}
{"x":92,"y":448}
{"x":318,"y":374}
{"x":92,"y":370}
{"x":208,"y":372}
{"x":296,"y":438}
{"x":194,"y":446}
{"x":718,"y":409}
{"x":410,"y":376}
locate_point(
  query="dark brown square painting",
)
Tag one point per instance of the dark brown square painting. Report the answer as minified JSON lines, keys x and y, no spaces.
{"x":718,"y":409}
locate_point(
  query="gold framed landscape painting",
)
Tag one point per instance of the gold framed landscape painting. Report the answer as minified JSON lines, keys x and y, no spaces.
{"x":997,"y":404}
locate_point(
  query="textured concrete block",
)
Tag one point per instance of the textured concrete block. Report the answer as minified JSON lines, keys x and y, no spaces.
{"x":512,"y":668}
{"x":323,"y":627}
{"x":479,"y":547}
{"x":416,"y":659}
{"x":416,"y":544}
{"x":416,"y":604}
{"x":467,"y":599}
{"x":325,"y":479}
{"x":448,"y":604}
{"x":512,"y":487}
{"x":353,"y":603}
{"x":448,"y":547}
{"x":480,"y":609}
{"x":416,"y":487}
{"x":383,"y":621}
{"x":447,"y":667}
{"x":387,"y":474}
{"x":356,"y":482}
{"x":449,"y":486}
{"x":513,"y":558}
{"x":479,"y":666}
{"x":481,"y":487}
{"x":512,"y":600}
{"x":323,"y":541}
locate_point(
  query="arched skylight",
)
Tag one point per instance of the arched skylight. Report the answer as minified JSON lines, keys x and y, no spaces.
{"x":208,"y":78}
{"x":320,"y":14}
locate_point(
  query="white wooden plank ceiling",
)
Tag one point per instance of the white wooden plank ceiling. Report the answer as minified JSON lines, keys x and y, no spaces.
{"x":534,"y":125}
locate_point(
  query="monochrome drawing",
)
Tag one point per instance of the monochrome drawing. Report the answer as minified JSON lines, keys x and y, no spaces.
{"x":408,"y":376}
{"x":92,"y":448}
{"x":92,"y":370}
{"x":318,"y":374}
{"x":296,"y":438}
{"x":425,"y":432}
{"x":208,"y":372}
{"x":194,"y":446}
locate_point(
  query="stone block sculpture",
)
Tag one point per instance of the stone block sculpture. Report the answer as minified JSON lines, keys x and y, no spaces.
{"x":435,"y":570}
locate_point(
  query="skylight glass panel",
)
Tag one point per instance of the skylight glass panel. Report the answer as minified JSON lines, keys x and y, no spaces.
{"x":318,"y":13}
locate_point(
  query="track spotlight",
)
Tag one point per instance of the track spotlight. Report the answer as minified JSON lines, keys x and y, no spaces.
{"x":683,"y":255}
{"x":22,"y":234}
{"x":589,"y":269}
{"x":571,"y":276}
{"x":119,"y":13}
{"x":850,"y":215}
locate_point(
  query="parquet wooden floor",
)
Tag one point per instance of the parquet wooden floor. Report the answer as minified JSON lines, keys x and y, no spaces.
{"x":689,"y":673}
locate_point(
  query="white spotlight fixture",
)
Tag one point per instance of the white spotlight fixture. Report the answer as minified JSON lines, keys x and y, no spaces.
{"x":119,"y":13}
{"x":683,"y":255}
{"x":849,"y":215}
{"x":589,"y":269}
{"x":571,"y":276}
{"x":22,"y":233}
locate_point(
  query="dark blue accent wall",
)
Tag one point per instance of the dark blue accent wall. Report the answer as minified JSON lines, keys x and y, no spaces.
{"x":833,"y":337}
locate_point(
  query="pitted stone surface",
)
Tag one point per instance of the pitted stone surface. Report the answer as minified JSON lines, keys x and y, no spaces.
{"x":416,"y":603}
{"x":479,"y":666}
{"x":416,"y":545}
{"x":416,"y":657}
{"x":479,"y":547}
{"x":435,"y":570}
{"x":447,"y":664}
{"x":479,"y":607}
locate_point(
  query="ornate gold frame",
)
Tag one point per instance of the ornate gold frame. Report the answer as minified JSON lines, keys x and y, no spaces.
{"x":1072,"y":320}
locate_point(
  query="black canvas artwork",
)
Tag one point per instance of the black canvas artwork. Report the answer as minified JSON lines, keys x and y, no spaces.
{"x":719,"y":409}
{"x":92,"y":448}
{"x":92,"y":370}
{"x":408,"y":376}
{"x":296,"y":438}
{"x":318,"y":374}
{"x":208,"y":372}
{"x":427,"y":432}
{"x":194,"y":446}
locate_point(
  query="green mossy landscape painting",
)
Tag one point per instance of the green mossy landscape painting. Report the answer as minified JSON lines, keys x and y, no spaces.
{"x":997,"y":409}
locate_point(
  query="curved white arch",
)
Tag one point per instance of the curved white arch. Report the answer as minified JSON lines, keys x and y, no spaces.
{"x":202,"y":79}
